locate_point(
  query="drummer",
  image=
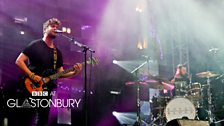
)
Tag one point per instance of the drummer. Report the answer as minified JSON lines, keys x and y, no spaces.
{"x":180,"y":74}
{"x":181,"y":81}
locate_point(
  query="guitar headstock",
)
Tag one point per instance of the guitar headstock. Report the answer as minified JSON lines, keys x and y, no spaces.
{"x":93,"y":61}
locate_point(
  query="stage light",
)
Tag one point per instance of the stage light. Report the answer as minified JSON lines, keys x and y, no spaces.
{"x":115,"y":61}
{"x":145,"y":44}
{"x":115,"y":92}
{"x":69,"y":30}
{"x":22,"y":32}
{"x":139,"y":45}
{"x":64,"y":29}
{"x":84,"y":27}
{"x":138,"y":9}
{"x":20,"y":20}
{"x":125,"y":117}
{"x":115,"y":113}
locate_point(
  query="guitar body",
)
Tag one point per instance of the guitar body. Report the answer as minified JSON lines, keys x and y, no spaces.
{"x":49,"y":75}
{"x":44,"y":84}
{"x":33,"y":86}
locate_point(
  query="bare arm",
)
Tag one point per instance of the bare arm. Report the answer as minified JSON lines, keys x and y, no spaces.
{"x":21,"y":63}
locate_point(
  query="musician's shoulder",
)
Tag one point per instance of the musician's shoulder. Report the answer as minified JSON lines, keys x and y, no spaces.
{"x":34,"y":42}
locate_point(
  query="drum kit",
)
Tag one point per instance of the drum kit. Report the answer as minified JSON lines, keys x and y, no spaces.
{"x":187,"y":103}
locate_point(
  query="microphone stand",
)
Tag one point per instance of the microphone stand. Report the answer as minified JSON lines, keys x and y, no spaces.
{"x":85,"y":48}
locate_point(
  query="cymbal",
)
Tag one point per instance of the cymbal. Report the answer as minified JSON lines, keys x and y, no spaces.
{"x":136,"y":82}
{"x":207,"y":74}
{"x":149,"y":83}
{"x":159,"y":85}
{"x":154,"y":84}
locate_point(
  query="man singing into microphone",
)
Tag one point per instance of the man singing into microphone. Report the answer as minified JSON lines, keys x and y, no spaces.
{"x":44,"y":59}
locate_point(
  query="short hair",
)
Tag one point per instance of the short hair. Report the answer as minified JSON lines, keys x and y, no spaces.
{"x":51,"y":22}
{"x":180,"y":66}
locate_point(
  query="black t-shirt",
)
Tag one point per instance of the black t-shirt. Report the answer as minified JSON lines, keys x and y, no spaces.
{"x":183,"y":78}
{"x":181,"y":86}
{"x":41,"y":57}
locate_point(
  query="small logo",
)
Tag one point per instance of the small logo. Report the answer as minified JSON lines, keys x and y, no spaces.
{"x":39,"y":93}
{"x":34,"y":93}
{"x":44,"y":93}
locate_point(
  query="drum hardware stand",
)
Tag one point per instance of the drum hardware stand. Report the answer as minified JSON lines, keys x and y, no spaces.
{"x":210,"y":114}
{"x":138,"y":120}
{"x":211,"y":117}
{"x":219,"y":76}
{"x":153,"y":122}
{"x":219,"y":121}
{"x":160,"y":118}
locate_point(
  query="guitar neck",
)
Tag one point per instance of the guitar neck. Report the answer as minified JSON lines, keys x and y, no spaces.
{"x":57,"y":75}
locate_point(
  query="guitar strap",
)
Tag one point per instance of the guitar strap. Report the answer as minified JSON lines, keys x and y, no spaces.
{"x":55,"y":58}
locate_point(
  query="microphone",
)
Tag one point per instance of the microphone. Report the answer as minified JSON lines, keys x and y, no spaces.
{"x":58,"y":31}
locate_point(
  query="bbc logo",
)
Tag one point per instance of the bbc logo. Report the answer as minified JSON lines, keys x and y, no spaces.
{"x":39,"y":93}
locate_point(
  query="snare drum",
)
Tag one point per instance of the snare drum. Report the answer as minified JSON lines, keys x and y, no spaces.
{"x":179,"y":108}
